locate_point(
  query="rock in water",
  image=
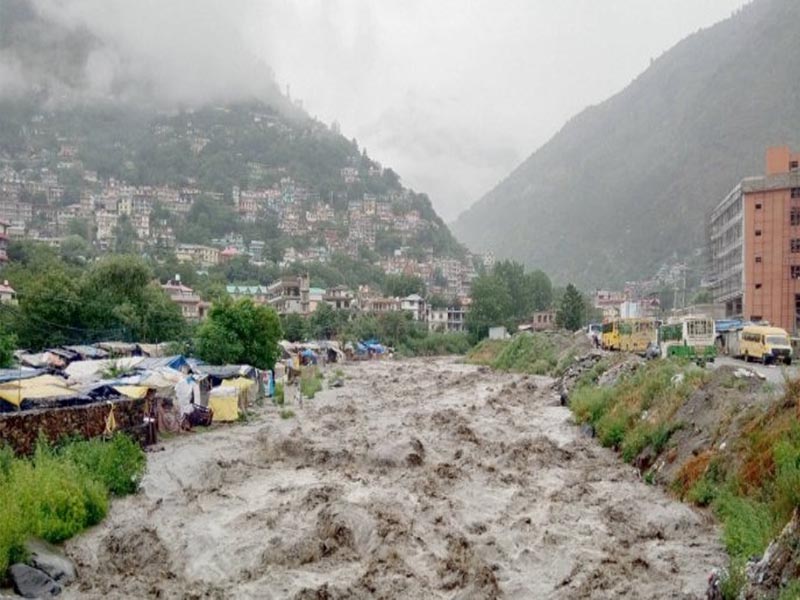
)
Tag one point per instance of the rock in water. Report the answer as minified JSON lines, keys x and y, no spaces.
{"x":33,"y":583}
{"x":51,"y":560}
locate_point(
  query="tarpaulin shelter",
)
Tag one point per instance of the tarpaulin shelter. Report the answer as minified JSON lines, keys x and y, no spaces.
{"x":247,"y":390}
{"x":309,"y":356}
{"x":86,"y":371}
{"x":43,"y":386}
{"x":41,"y":360}
{"x":87,"y":352}
{"x":224,"y":402}
{"x":132,"y":391}
{"x":177,"y":362}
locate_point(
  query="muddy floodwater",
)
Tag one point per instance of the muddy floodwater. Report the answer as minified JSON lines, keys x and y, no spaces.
{"x":417,"y":479}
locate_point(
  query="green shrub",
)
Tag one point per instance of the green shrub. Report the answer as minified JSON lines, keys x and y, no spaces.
{"x":118,"y":464}
{"x":611,"y":429}
{"x":703,"y":492}
{"x":527,"y":353}
{"x":635,"y":441}
{"x":748,"y":525}
{"x":589,"y":404}
{"x":787,"y":476}
{"x":734,"y":580}
{"x":436,"y":344}
{"x":287,"y":414}
{"x":310,"y":384}
{"x":278,"y":398}
{"x":791,"y":591}
{"x":60,"y":492}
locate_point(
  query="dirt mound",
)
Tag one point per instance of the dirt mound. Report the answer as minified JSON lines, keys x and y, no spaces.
{"x":713,"y":415}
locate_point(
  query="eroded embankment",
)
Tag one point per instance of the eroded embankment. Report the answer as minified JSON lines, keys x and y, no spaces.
{"x":417,"y":479}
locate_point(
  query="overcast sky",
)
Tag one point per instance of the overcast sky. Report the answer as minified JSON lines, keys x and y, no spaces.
{"x":452,"y":94}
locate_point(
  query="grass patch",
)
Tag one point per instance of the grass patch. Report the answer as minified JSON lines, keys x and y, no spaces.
{"x":310,"y":383}
{"x":436,"y":344}
{"x":61,"y":491}
{"x":287,"y":413}
{"x":531,"y":353}
{"x":486,"y":352}
{"x":278,"y":397}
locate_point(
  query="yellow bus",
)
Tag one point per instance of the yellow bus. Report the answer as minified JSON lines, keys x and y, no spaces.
{"x":637,"y":334}
{"x":765,"y":344}
{"x":609,"y":339}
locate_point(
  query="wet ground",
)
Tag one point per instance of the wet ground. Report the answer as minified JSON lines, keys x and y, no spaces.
{"x":422,"y":478}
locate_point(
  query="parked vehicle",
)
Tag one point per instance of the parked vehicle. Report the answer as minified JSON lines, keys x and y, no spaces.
{"x":691,"y":337}
{"x":635,"y":335}
{"x":765,"y":344}
{"x":609,"y":339}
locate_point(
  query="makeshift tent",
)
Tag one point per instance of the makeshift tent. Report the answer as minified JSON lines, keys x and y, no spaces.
{"x":176,"y":362}
{"x":309,"y":357}
{"x":44,"y":386}
{"x":86,"y":371}
{"x":224,"y":402}
{"x":132,"y":391}
{"x":247,"y":390}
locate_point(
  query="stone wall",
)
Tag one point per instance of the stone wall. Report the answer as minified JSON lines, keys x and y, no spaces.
{"x":21,"y":429}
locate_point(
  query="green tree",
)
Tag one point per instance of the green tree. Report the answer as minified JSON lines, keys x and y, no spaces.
{"x":8,"y":343}
{"x":540,"y":289}
{"x":322,"y":323}
{"x":75,"y":250}
{"x":124,"y":236}
{"x":294,"y":327}
{"x":50,"y":311}
{"x":571,"y":309}
{"x":403,"y":285}
{"x":240,"y":332}
{"x":491,"y":306}
{"x":118,"y":297}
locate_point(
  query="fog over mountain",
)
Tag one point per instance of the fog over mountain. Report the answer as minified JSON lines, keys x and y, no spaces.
{"x":625,"y":186}
{"x":180,"y":52}
{"x":452,"y":95}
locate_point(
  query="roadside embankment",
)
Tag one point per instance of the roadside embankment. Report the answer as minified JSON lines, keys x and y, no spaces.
{"x":722,"y":438}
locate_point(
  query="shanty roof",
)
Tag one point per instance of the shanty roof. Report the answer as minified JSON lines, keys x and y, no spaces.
{"x":224,"y":371}
{"x":88,"y":351}
{"x":176,"y":362}
{"x":43,"y":386}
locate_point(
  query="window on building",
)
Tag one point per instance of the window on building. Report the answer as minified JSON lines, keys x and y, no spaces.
{"x":793,"y":165}
{"x":758,"y":205}
{"x":797,"y":311}
{"x":795,"y":192}
{"x":795,"y":271}
{"x":758,"y":286}
{"x":758,"y":259}
{"x":758,"y":233}
{"x":795,"y":245}
{"x":795,"y":218}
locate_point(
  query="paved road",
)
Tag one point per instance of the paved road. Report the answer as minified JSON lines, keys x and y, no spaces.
{"x":773,"y":373}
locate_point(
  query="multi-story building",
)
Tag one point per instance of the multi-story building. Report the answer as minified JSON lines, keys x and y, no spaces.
{"x":414,"y":304}
{"x":755,"y":244}
{"x":205,"y":256}
{"x":4,"y":225}
{"x":290,"y":295}
{"x":339,"y":297}
{"x":192,"y":306}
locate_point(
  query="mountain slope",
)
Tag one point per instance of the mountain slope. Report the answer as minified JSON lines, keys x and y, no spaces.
{"x":626,"y":185}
